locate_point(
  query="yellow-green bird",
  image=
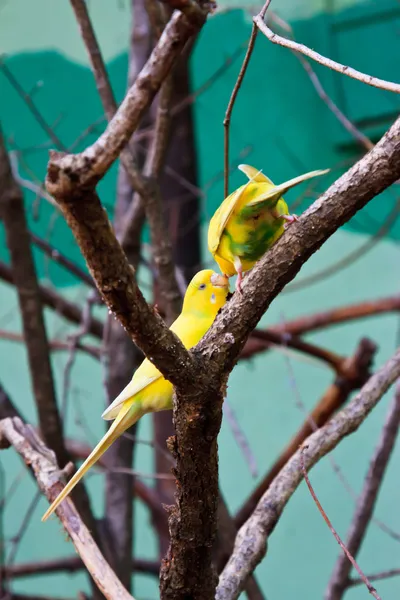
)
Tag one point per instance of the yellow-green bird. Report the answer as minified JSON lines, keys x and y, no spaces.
{"x":148,"y":391}
{"x":249,"y":221}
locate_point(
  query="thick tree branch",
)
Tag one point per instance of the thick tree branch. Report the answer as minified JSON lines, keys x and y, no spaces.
{"x":115,"y":280}
{"x":68,"y":172}
{"x":146,"y":185}
{"x":365,"y":506}
{"x":368,"y":177}
{"x":42,"y":460}
{"x":251,"y":541}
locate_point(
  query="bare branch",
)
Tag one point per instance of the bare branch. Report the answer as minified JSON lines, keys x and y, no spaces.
{"x":232,"y":100}
{"x":251,"y":541}
{"x":23,"y":269}
{"x":375,"y":577}
{"x":271,"y":338}
{"x":70,"y":564}
{"x":340,"y":116}
{"x":327,"y":62}
{"x":55,"y":345}
{"x":53,"y":300}
{"x":62,"y":260}
{"x":337,"y":316}
{"x":47,"y":473}
{"x":367,"y":500}
{"x":68,"y":172}
{"x":348,"y":555}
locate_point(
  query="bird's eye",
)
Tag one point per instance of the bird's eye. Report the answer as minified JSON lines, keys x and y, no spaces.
{"x":202,"y":286}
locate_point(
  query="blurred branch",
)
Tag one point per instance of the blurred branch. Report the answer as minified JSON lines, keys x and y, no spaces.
{"x":327,"y":62}
{"x":349,"y":259}
{"x":145,"y":493}
{"x":71,"y":565}
{"x":53,"y":300}
{"x":350,"y":558}
{"x":340,"y":578}
{"x":355,"y":373}
{"x":12,"y":213}
{"x":271,"y":338}
{"x":55,"y":345}
{"x":251,"y":541}
{"x":27,"y":98}
{"x":25,"y":441}
{"x":62,"y":260}
{"x":375,"y":577}
{"x":337,"y":316}
{"x":340,"y":116}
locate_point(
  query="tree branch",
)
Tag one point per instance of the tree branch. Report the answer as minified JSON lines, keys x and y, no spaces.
{"x":327,"y":62}
{"x":47,"y":473}
{"x":53,"y":300}
{"x":68,"y":172}
{"x":70,"y":564}
{"x":12,"y":213}
{"x":251,"y":541}
{"x":339,"y":580}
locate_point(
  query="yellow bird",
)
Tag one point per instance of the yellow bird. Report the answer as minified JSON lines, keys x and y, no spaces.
{"x":249,"y":221}
{"x":148,"y":391}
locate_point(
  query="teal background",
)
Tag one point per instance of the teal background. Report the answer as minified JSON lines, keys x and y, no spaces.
{"x":280,"y":125}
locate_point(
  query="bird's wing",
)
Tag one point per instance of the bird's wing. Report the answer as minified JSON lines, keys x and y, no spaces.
{"x":272,"y":196}
{"x":224,"y":212}
{"x":254,"y":175}
{"x":146,"y":374}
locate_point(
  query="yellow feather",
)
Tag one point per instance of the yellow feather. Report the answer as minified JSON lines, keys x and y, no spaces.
{"x":148,"y":391}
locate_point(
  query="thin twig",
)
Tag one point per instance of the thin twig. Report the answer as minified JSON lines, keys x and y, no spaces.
{"x":74,"y":341}
{"x":71,"y":564}
{"x":240,"y":438}
{"x":367,"y":499}
{"x":231,"y":103}
{"x":340,"y":116}
{"x":32,"y":106}
{"x":55,"y":345}
{"x":65,"y":308}
{"x":327,"y":62}
{"x":369,"y":586}
{"x":374,"y":577}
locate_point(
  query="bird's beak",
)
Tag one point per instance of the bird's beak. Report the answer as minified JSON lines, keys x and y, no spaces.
{"x":219,"y":280}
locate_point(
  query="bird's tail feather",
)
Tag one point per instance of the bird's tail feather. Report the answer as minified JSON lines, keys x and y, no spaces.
{"x":272,"y":195}
{"x":127,"y":417}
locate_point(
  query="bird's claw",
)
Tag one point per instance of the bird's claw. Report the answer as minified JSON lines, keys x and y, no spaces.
{"x":289,"y":219}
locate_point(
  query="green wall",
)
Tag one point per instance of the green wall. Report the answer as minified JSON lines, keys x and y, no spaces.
{"x":285,"y":129}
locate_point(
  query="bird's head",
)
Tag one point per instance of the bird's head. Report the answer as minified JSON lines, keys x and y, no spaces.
{"x":206,"y":293}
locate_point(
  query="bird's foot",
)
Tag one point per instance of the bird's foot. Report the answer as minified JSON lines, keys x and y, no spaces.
{"x":239,"y":282}
{"x":289,"y":219}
